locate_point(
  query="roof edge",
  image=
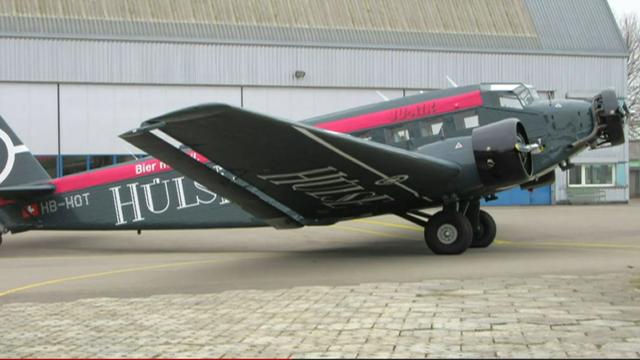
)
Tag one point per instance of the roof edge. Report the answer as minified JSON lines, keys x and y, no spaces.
{"x":178,"y":40}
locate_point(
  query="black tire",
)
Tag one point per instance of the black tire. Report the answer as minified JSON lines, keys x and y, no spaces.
{"x":486,"y":232}
{"x":448,"y":233}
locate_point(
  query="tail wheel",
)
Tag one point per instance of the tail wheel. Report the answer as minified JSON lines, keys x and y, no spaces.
{"x":448,"y":233}
{"x":486,"y":231}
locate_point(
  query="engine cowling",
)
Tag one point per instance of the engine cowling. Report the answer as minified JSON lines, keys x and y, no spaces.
{"x":499,"y":162}
{"x":609,"y":113}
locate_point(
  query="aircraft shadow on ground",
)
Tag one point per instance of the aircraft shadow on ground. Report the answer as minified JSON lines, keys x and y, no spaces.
{"x":83,"y":244}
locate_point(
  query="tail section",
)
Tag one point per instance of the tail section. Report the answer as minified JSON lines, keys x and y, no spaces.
{"x":17,"y":165}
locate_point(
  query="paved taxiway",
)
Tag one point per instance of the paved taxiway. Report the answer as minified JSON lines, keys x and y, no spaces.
{"x":62,"y":266}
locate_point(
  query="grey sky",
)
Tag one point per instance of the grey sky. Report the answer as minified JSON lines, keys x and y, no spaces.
{"x":621,"y":7}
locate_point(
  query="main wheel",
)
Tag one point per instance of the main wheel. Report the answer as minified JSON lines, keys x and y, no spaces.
{"x":486,"y":232}
{"x":448,"y":233}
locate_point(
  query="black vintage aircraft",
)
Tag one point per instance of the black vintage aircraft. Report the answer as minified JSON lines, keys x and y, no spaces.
{"x":220,"y":166}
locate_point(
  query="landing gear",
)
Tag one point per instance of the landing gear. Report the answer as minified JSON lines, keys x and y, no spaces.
{"x":485,"y":232}
{"x":484,"y":227}
{"x":457,"y":227}
{"x":448,"y":233}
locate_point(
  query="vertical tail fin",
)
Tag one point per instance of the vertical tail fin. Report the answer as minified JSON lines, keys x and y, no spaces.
{"x":17,"y":165}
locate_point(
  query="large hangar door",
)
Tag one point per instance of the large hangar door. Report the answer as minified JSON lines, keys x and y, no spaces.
{"x":32,"y":112}
{"x":92,"y":116}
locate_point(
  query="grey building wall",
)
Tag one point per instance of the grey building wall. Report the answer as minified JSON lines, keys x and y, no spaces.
{"x":91,"y":61}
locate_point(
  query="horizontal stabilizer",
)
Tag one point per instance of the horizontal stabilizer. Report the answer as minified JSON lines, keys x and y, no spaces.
{"x":26,"y":191}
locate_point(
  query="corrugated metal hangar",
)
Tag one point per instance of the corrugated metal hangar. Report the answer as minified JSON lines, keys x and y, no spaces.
{"x":76,"y":73}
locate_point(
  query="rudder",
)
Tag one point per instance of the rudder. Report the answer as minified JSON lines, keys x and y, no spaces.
{"x":17,"y":165}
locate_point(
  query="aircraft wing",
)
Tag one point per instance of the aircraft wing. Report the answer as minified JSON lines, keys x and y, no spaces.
{"x":290,"y":174}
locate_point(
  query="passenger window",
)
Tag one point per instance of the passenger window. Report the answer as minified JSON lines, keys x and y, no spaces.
{"x":397,"y":135}
{"x":376,"y":135}
{"x":400,"y":134}
{"x":367,"y":135}
{"x":466,"y":120}
{"x":510,"y":101}
{"x":471,"y":122}
{"x":429,"y":128}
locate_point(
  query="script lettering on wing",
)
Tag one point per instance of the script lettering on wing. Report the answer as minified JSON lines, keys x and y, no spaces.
{"x":332,"y":187}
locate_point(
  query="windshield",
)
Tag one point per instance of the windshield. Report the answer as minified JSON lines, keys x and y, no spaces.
{"x":515,"y":96}
{"x":526,"y":94}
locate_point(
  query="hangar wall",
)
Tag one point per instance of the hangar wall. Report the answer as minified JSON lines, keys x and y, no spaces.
{"x":140,"y":62}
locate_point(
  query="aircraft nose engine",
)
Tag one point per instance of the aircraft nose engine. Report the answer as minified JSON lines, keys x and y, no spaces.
{"x":502,"y":153}
{"x":609,"y":117}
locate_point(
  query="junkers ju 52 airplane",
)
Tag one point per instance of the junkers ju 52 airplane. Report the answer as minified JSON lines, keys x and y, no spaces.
{"x":219,"y":166}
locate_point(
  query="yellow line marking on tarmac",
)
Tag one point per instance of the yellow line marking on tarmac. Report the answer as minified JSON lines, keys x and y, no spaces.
{"x":104,"y":273}
{"x":586,"y":245}
{"x":571,"y":245}
{"x":388,"y":224}
{"x":366,"y":231}
{"x":120,"y":255}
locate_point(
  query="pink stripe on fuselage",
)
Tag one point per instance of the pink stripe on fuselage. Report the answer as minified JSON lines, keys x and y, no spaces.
{"x":405,"y":113}
{"x":114,"y":174}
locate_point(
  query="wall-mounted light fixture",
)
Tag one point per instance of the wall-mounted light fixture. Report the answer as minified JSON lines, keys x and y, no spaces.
{"x":299,"y":74}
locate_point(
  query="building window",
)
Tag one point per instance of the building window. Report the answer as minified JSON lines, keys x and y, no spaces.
{"x":49,"y":163}
{"x":98,"y":161}
{"x":74,"y":164}
{"x":596,"y":175}
{"x":127,"y":158}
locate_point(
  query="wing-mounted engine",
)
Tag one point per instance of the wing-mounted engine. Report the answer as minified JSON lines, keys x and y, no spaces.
{"x":501,"y":152}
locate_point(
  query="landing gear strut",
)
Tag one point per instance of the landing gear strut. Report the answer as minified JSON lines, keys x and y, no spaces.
{"x":457,"y":227}
{"x":484,"y":227}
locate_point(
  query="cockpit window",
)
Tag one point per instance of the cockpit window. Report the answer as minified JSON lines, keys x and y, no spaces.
{"x":510,"y":101}
{"x":515,"y":96}
{"x":526,"y":94}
